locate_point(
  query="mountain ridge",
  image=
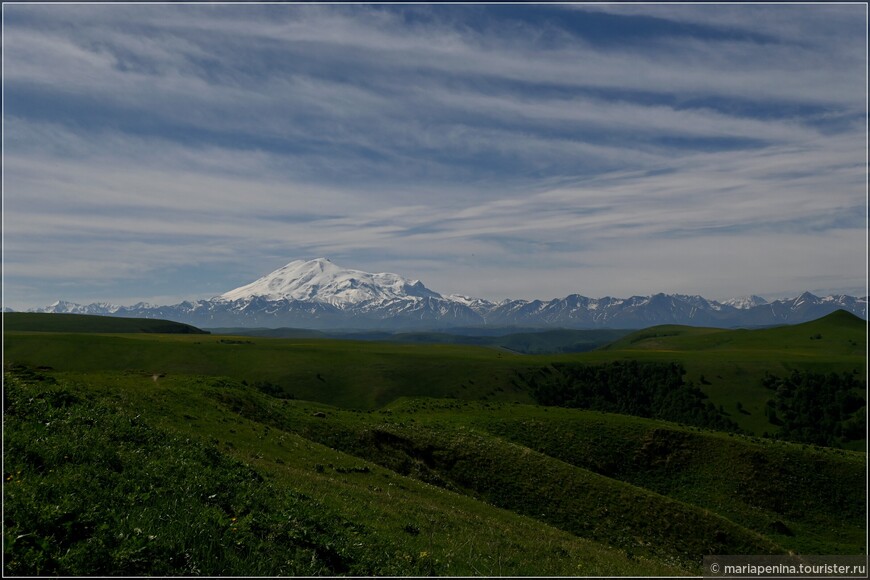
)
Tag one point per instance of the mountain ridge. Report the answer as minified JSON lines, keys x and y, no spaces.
{"x":318,"y":294}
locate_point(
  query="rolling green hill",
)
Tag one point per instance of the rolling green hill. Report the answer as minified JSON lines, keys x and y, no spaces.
{"x":728,"y":365}
{"x":42,"y":322}
{"x":354,"y":374}
{"x":120,"y":475}
{"x":839,"y":333}
{"x":422,"y":486}
{"x":322,"y":456}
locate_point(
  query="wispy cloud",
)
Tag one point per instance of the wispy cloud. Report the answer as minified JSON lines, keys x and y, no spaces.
{"x":464,"y":145}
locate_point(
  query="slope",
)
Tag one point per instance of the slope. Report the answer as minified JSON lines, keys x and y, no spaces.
{"x":105,"y":477}
{"x":838,"y":333}
{"x":42,"y":322}
{"x":353,"y":374}
{"x":422,"y":486}
{"x":729,"y":365}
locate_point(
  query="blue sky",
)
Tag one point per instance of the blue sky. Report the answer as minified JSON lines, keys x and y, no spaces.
{"x":170,"y":152}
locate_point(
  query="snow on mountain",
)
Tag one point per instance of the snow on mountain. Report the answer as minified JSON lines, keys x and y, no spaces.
{"x":320,"y":294}
{"x":61,"y":306}
{"x":64,"y":307}
{"x":320,"y":280}
{"x":479,"y":305}
{"x":744,"y":302}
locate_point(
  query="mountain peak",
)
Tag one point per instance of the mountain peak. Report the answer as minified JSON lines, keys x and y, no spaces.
{"x":320,"y":280}
{"x":314,"y":262}
{"x":745,"y":302}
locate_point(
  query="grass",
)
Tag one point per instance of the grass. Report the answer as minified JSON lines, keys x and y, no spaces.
{"x":428,"y":475}
{"x":133,"y":454}
{"x":90,"y":491}
{"x":44,"y":322}
{"x":793,"y":494}
{"x":727,"y":365}
{"x":161,"y":479}
{"x":369,"y":375}
{"x":516,"y":456}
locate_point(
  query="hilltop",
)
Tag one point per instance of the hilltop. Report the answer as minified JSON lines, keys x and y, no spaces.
{"x":843,"y":329}
{"x":49,"y":322}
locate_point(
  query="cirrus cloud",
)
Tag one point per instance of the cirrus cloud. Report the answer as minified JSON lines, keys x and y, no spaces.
{"x":529,"y":151}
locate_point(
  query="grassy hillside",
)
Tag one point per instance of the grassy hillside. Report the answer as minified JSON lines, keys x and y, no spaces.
{"x":728,"y":365}
{"x":45,"y":322}
{"x":355,"y":374}
{"x":122,"y":475}
{"x":315,"y":456}
{"x":790,"y":493}
{"x":423,"y":486}
{"x":837,"y":333}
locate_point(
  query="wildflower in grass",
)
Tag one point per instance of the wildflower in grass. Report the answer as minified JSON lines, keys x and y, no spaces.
{"x":424,"y":554}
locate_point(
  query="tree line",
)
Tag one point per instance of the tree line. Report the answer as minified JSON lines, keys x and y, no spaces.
{"x":643,"y":389}
{"x":818,"y":408}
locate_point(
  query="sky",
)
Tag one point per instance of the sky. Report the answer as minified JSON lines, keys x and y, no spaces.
{"x":172,"y":152}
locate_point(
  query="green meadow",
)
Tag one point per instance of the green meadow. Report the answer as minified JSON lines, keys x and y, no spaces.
{"x":39,"y":322}
{"x":139,"y":453}
{"x":728,"y":365}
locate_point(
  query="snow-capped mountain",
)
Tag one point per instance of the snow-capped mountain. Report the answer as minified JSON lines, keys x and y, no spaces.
{"x":479,"y":305}
{"x":64,"y":307}
{"x":744,"y":302}
{"x":577,"y":311}
{"x":320,"y":280}
{"x":320,"y":294}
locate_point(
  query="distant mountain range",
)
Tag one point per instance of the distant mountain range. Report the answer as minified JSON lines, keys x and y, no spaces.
{"x":318,"y":294}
